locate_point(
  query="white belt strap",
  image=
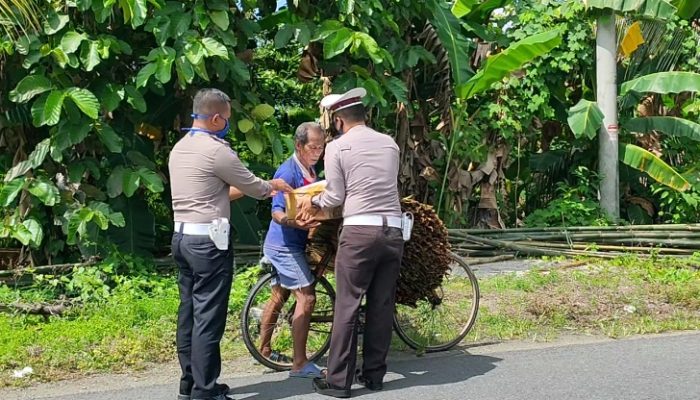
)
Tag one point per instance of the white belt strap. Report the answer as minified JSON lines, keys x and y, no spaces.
{"x":372,"y":220}
{"x":187,"y":228}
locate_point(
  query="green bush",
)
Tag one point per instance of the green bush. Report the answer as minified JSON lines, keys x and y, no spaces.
{"x":575,"y":205}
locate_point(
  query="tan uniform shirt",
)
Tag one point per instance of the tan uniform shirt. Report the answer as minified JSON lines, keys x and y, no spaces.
{"x":202,"y":168}
{"x":362,"y":168}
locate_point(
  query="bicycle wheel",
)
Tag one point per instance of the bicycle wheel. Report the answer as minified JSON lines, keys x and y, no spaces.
{"x":280,"y":337}
{"x":440,"y":327}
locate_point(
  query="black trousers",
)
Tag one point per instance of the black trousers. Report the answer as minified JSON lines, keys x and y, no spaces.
{"x":204,"y":281}
{"x":367,"y":264}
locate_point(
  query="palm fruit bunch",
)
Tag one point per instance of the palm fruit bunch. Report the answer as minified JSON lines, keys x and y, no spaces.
{"x":426,"y":258}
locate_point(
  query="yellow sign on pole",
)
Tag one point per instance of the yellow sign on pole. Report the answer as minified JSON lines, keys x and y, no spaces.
{"x":632,"y":40}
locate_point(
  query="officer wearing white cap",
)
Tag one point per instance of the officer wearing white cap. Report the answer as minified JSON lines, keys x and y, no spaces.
{"x":361,"y":167}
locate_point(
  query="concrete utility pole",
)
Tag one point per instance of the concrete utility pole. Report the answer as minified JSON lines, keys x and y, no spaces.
{"x":606,"y":87}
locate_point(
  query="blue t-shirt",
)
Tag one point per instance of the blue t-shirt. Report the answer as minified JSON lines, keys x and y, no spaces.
{"x":283,"y":237}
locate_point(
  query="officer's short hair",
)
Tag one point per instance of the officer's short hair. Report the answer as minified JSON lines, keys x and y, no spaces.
{"x":210,"y":101}
{"x":354,"y":113}
{"x":301,"y":136}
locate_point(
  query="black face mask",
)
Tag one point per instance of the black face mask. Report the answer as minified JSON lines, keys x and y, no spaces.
{"x":335,"y":132}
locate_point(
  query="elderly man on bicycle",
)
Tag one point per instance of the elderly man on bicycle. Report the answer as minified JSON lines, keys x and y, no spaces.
{"x":284,"y":247}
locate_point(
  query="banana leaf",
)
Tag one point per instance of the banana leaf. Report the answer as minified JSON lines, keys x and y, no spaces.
{"x":671,"y":126}
{"x":456,"y":44}
{"x":687,"y":9}
{"x":511,"y":59}
{"x":461,"y":8}
{"x":664,"y":83}
{"x":658,"y":9}
{"x":641,"y":159}
{"x":481,"y":11}
{"x":585,"y":118}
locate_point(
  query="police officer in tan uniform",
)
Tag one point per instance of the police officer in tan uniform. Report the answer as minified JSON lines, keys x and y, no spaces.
{"x":361,"y":168}
{"x":205,"y":176}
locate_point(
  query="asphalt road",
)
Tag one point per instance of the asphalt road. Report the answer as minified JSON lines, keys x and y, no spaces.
{"x":653,"y":367}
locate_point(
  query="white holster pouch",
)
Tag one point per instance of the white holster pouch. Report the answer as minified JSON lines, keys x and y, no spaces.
{"x":219,"y":233}
{"x":406,"y":226}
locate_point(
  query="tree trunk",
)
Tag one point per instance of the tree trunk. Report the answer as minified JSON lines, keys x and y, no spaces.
{"x":488,"y":215}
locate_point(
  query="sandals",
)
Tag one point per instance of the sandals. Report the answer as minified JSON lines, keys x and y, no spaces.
{"x":309,"y":371}
{"x":276,"y":356}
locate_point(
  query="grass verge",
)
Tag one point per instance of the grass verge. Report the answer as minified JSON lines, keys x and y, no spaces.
{"x":617,"y":298}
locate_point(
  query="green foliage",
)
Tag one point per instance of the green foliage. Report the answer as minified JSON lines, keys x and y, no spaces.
{"x":36,"y":158}
{"x":81,"y":219}
{"x":132,"y":326}
{"x":672,"y":126}
{"x":646,"y":72}
{"x":10,"y":190}
{"x":677,"y":207}
{"x":96,"y":99}
{"x":455,"y":43}
{"x":660,"y":9}
{"x":88,"y":109}
{"x":645,"y":161}
{"x":460,"y":8}
{"x":95,"y":284}
{"x":687,"y":8}
{"x":137,"y":236}
{"x":242,"y":284}
{"x":520,"y":103}
{"x":663,"y":82}
{"x":585,"y":118}
{"x":575,"y":205}
{"x":337,"y":42}
{"x":508,"y":61}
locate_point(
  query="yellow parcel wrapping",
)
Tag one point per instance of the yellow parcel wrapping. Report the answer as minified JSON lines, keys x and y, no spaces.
{"x":292,"y":200}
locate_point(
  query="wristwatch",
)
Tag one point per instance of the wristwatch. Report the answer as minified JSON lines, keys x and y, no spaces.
{"x":284,"y":220}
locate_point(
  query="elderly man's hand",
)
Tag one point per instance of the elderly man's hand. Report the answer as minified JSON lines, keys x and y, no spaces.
{"x":305,"y":210}
{"x":306,"y":225}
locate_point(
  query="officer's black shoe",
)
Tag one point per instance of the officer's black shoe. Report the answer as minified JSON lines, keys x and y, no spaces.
{"x":321,"y":386}
{"x":369,"y":384}
{"x":222,"y":388}
{"x":218,"y":397}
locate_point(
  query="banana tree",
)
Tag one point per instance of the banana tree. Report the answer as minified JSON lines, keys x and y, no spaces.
{"x":585,"y":118}
{"x":498,"y":66}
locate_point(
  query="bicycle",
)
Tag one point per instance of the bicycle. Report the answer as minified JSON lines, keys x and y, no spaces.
{"x":427,"y":327}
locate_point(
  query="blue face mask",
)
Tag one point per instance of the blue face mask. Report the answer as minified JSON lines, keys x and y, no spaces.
{"x":220,"y":133}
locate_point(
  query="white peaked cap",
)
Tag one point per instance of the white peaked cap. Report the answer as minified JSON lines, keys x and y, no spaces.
{"x":335,"y":102}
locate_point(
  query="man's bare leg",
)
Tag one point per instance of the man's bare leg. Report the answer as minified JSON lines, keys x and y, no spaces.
{"x":269,"y":317}
{"x":306,"y":300}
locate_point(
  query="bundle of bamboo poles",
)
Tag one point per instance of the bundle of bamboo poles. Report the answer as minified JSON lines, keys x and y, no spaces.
{"x":593,"y":241}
